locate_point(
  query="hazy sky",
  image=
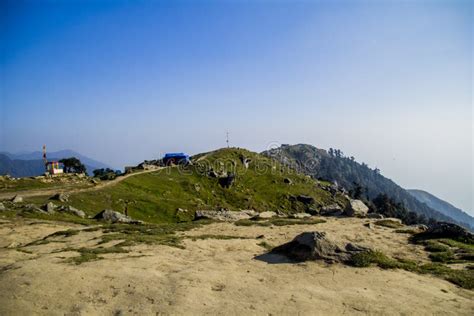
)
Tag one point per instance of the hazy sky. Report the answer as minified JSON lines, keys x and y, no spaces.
{"x":388,"y":82}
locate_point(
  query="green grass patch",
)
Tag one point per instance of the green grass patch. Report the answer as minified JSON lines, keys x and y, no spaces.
{"x":93,"y":254}
{"x":463,"y":278}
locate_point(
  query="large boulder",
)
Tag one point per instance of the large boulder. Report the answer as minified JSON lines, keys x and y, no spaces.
{"x":356,"y":208}
{"x":72,"y":210}
{"x":225,"y":215}
{"x":316,"y":246}
{"x":115,"y":217}
{"x":2,"y":207}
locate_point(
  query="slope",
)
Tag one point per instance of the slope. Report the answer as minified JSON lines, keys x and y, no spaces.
{"x":348,"y":173}
{"x":442,"y":206}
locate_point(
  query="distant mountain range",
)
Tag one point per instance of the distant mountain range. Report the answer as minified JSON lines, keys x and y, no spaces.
{"x":332,"y":165}
{"x":442,"y":206}
{"x":31,"y":163}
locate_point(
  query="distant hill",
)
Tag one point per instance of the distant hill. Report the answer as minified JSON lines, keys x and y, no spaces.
{"x":442,"y":206}
{"x":332,"y":165}
{"x":31,"y":164}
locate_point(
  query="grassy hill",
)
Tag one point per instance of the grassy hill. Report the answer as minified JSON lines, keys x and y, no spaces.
{"x":156,"y":197}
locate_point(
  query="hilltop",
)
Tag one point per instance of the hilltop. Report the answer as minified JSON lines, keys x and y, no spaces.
{"x":157,"y":196}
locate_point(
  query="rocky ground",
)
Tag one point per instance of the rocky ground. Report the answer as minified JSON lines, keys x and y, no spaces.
{"x":220,"y":268}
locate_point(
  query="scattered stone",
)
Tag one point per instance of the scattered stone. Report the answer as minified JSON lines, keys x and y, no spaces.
{"x":62,"y":197}
{"x":305,"y":199}
{"x":72,"y":210}
{"x":331,"y":210}
{"x":300,"y":215}
{"x":225,"y":215}
{"x":356,"y":208}
{"x":50,"y":207}
{"x":13,"y":245}
{"x":246,"y":162}
{"x":260,"y":237}
{"x":2,"y":207}
{"x":316,"y":246}
{"x":369,"y":225}
{"x":266,"y":214}
{"x":17,"y":199}
{"x":115,"y":217}
{"x":33,"y":208}
{"x":287,"y":181}
{"x":375,"y":215}
{"x":181,"y":210}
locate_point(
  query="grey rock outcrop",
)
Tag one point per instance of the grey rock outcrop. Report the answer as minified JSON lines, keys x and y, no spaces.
{"x":356,"y":208}
{"x":2,"y":207}
{"x":115,"y":217}
{"x":316,"y":246}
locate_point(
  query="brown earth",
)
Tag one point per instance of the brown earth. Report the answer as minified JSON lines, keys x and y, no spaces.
{"x":215,"y":276}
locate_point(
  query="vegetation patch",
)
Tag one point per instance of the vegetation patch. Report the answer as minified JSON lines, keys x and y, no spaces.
{"x":92,"y":254}
{"x":463,"y":278}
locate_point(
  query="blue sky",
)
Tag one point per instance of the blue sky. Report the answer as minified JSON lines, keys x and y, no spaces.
{"x":389,"y":82}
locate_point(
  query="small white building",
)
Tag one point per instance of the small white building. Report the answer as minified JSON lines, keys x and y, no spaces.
{"x":54,"y":167}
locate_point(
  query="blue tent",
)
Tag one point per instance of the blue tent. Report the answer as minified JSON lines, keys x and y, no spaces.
{"x":175,"y":158}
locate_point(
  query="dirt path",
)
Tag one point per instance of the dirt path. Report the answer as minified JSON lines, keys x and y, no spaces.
{"x":214,"y":276}
{"x":65,"y":188}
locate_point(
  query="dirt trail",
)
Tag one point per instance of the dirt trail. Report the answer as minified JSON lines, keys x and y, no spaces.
{"x":214,"y":276}
{"x":69,"y":189}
